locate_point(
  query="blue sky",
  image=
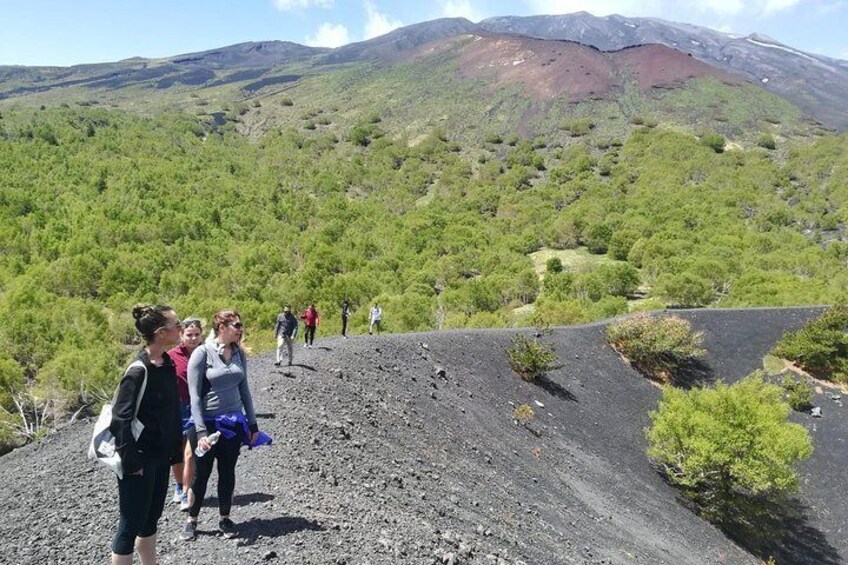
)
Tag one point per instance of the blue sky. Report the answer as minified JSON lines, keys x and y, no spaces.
{"x":66,"y":32}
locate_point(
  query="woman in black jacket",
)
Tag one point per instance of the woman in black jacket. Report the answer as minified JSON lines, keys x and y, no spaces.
{"x":147,"y":460}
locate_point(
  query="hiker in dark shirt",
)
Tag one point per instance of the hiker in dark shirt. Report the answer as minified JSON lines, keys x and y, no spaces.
{"x":285,"y":331}
{"x":146,"y":461}
{"x":345,"y":316}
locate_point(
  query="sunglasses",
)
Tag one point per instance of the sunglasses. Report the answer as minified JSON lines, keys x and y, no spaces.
{"x":169,"y":326}
{"x":237,"y":325}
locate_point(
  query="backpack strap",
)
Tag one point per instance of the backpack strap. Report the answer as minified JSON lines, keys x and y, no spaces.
{"x":138,"y":363}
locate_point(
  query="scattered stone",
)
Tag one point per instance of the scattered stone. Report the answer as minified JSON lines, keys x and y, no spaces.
{"x":269,"y":555}
{"x":816,"y":412}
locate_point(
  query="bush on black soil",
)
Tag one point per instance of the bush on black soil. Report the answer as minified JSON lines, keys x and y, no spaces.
{"x":799,"y":395}
{"x":820,"y":347}
{"x":657,"y":347}
{"x":531,"y":358}
{"x":730,"y":449}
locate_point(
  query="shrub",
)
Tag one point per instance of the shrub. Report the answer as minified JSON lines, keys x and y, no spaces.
{"x":766,"y":141}
{"x":728,"y":445}
{"x":493,"y":138}
{"x":530,"y":358}
{"x":286,"y":102}
{"x":686,"y":290}
{"x":657,"y":346}
{"x":799,"y":395}
{"x":553,"y":265}
{"x":523,"y":414}
{"x":713,"y":140}
{"x":820,"y":347}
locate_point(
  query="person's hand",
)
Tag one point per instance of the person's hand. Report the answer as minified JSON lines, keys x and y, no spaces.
{"x":253,"y":437}
{"x":139,"y":473}
{"x":204,"y":444}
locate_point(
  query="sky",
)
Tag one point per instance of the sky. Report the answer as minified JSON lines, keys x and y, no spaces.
{"x":67,"y":32}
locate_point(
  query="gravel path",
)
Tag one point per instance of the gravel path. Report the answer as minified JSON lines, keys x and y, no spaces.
{"x":402,"y":450}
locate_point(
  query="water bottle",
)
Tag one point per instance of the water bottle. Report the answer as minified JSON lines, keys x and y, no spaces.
{"x":213,"y":439}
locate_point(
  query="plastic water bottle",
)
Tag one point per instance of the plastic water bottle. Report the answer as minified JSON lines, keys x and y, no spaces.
{"x":213,"y":439}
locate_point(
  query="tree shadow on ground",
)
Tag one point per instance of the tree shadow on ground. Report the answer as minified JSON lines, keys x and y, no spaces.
{"x":693,"y":373}
{"x":553,"y":388}
{"x":241,"y":499}
{"x":275,"y":527}
{"x":780,"y":530}
{"x":324,"y":348}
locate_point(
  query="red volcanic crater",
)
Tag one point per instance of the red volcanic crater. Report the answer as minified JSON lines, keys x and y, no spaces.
{"x":551,"y":69}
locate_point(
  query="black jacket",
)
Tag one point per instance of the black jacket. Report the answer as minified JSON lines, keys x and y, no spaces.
{"x":159,"y":412}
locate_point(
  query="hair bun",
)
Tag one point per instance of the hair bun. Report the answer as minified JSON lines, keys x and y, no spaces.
{"x":139,"y":310}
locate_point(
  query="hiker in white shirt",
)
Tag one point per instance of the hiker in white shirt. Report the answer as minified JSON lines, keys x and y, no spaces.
{"x":375,"y":319}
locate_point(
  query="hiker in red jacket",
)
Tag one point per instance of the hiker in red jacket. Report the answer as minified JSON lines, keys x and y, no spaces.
{"x":310,"y":320}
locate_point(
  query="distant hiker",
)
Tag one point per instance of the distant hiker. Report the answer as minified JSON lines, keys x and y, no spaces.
{"x":145,"y":461}
{"x":345,"y":316}
{"x":285,"y":331}
{"x":220,"y":401}
{"x":376,"y":319}
{"x":190,"y":337}
{"x":310,"y":321}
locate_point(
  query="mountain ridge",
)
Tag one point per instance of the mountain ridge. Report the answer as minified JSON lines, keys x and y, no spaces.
{"x":815,"y":84}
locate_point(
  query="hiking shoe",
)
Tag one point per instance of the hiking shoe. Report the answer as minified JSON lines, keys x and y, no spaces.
{"x":184,"y":505}
{"x":189,"y":531}
{"x":227,"y":527}
{"x":178,"y":495}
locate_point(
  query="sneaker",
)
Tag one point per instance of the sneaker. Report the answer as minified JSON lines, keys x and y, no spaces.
{"x":189,"y":531}
{"x":227,"y":527}
{"x":277,"y":364}
{"x":305,"y":345}
{"x":178,"y":494}
{"x":184,"y":505}
{"x":290,"y":363}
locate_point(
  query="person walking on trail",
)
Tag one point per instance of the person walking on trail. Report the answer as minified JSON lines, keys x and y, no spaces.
{"x":286,"y":331}
{"x":190,"y":337}
{"x":310,"y":321}
{"x":376,"y":319}
{"x":221,"y":404}
{"x":345,"y":316}
{"x":146,"y":461}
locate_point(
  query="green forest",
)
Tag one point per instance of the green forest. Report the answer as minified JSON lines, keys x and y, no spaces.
{"x":101,"y":209}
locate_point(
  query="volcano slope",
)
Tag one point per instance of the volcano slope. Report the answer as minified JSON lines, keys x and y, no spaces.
{"x":402,"y":450}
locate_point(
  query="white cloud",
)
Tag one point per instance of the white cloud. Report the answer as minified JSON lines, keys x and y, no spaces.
{"x":286,"y":5}
{"x":377,"y":22}
{"x":458,"y":9}
{"x":329,"y":35}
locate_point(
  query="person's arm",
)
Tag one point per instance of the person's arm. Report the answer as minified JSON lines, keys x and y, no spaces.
{"x":277,"y":326}
{"x":123,"y":413}
{"x":296,"y":326}
{"x":196,"y":375}
{"x":246,"y":397}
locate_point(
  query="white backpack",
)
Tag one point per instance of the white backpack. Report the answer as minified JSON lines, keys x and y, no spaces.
{"x":102,"y":446}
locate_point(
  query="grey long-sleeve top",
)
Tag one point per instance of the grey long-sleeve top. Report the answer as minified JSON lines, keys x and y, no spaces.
{"x":228,"y":388}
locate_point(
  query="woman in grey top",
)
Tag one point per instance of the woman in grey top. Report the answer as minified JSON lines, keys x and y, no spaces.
{"x":220,"y":402}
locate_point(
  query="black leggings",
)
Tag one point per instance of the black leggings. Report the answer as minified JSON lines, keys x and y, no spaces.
{"x":226,"y":452}
{"x":140,"y":500}
{"x":309,"y":334}
{"x":344,"y":325}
